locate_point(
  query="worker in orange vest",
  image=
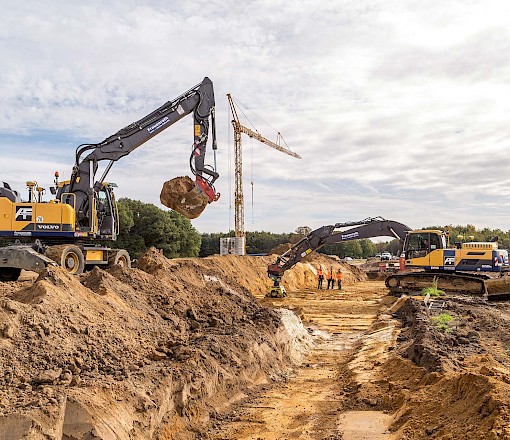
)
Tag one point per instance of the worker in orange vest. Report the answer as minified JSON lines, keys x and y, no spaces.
{"x":320,"y":277}
{"x":331,"y":277}
{"x":339,"y":276}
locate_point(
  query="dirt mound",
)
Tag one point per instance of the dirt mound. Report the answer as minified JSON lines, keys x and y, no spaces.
{"x":280,"y":249}
{"x":304,"y":274}
{"x":125,"y":353}
{"x":448,"y":377}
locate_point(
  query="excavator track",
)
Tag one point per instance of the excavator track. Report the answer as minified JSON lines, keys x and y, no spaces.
{"x":493,"y":289}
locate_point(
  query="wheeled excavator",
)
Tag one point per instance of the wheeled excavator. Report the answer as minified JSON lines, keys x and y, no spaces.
{"x":67,"y":230}
{"x":473,"y":268}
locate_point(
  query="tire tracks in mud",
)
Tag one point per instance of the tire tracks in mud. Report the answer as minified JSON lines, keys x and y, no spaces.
{"x":322,"y":400}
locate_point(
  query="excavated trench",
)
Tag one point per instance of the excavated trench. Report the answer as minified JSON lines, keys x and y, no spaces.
{"x":323,"y":399}
{"x":191,"y":349}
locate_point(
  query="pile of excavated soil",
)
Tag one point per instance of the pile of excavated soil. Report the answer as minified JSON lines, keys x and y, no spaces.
{"x":151,"y":352}
{"x":451,"y":383}
{"x":304,"y":274}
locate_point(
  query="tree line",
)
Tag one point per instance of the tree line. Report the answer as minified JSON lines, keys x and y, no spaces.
{"x":143,"y":225}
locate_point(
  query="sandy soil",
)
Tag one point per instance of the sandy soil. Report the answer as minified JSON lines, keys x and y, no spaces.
{"x":191,"y":349}
{"x":350,"y":330}
{"x":378,"y":375}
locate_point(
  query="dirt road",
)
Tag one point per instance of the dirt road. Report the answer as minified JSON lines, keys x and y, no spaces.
{"x":352,"y":334}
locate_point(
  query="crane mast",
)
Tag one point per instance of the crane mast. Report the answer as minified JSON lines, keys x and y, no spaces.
{"x":238,"y":159}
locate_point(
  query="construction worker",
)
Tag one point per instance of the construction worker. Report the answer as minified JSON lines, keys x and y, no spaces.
{"x":330,"y":276}
{"x":320,"y":277}
{"x":339,"y":279}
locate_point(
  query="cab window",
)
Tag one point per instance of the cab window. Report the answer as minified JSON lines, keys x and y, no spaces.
{"x":104,"y":203}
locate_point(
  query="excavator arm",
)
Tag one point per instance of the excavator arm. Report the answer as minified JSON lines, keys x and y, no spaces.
{"x":368,"y":228}
{"x":199,"y":100}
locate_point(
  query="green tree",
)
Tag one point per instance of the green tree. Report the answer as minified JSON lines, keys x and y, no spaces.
{"x":368,"y":248}
{"x":211,"y":244}
{"x":143,"y":225}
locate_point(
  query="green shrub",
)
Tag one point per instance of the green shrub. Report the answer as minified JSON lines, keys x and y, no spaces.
{"x":442,"y":321}
{"x":432,"y":290}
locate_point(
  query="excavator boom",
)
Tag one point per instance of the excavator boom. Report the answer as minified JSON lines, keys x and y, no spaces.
{"x":337,"y":233}
{"x":178,"y":194}
{"x":367,"y":228}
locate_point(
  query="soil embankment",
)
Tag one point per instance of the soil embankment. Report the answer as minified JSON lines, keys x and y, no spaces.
{"x":420,"y":373}
{"x":190,"y":348}
{"x":140,"y":353}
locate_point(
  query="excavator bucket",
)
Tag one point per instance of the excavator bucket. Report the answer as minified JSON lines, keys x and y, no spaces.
{"x":498,"y":289}
{"x":184,"y":196}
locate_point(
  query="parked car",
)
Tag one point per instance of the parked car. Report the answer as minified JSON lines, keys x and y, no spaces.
{"x":348,"y":259}
{"x":385,"y":256}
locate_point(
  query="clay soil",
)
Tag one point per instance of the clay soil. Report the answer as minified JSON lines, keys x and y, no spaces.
{"x":191,"y":349}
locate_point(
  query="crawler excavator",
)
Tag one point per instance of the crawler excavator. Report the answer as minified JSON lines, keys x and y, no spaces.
{"x":476,"y":268}
{"x":67,"y":230}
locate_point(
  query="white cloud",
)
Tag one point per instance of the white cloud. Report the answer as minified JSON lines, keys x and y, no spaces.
{"x":397,"y":108}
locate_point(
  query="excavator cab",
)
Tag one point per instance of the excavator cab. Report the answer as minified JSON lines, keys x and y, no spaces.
{"x":423,"y":248}
{"x":107,"y":216}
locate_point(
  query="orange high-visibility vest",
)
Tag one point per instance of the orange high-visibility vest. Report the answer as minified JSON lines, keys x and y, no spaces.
{"x":339,"y":275}
{"x":319,"y":272}
{"x":330,"y":274}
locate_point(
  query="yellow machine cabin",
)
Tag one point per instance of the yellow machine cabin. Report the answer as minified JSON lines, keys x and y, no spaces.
{"x":39,"y":233}
{"x":429,"y":249}
{"x":33,"y":218}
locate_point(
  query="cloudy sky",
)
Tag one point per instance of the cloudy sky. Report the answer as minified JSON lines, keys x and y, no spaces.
{"x":399,"y":108}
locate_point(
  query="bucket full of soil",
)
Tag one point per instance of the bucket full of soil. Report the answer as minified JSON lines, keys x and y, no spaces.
{"x":184,"y":196}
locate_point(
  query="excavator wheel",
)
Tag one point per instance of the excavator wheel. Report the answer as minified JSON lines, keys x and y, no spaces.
{"x":392,"y":282}
{"x":9,"y":273}
{"x":184,"y":196}
{"x":68,"y":256}
{"x":120,"y":257}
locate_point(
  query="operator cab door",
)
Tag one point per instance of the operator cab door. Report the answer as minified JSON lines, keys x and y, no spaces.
{"x":106,"y":213}
{"x":423,"y":250}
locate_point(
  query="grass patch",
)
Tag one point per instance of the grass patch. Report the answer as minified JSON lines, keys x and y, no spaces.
{"x":433,"y":290}
{"x":443,"y":321}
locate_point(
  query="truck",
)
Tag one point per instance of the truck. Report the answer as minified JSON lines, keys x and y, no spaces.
{"x":69,"y":230}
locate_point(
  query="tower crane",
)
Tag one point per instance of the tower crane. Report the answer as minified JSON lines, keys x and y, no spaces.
{"x":238,"y":194}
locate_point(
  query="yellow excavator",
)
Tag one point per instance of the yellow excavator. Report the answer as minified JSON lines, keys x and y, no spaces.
{"x":68,"y":229}
{"x":475,"y":268}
